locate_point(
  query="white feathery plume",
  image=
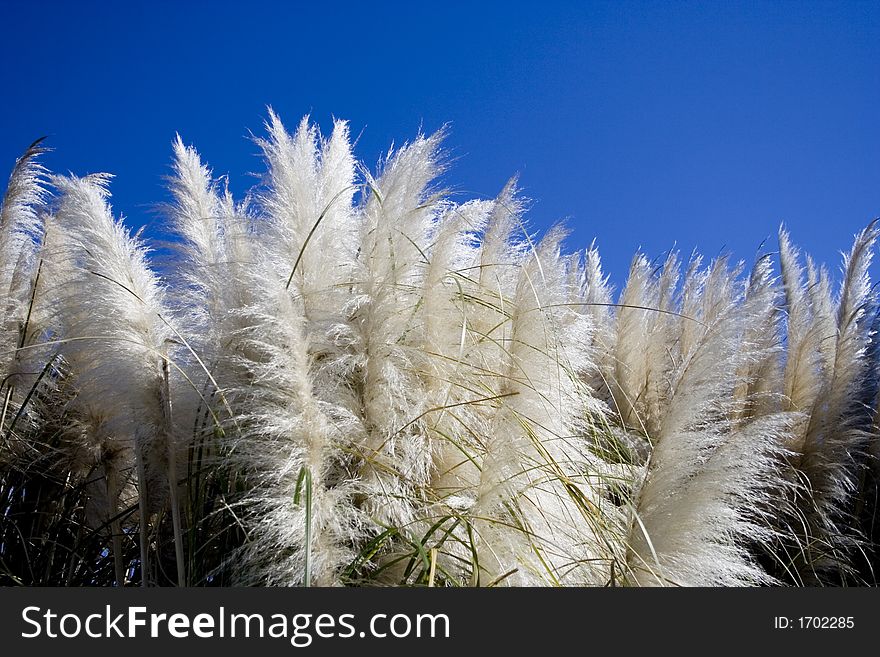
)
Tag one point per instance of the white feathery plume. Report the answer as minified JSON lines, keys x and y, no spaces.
{"x":832,"y":442}
{"x":115,"y":338}
{"x":467,"y":291}
{"x":803,"y":366}
{"x":312,"y":183}
{"x":21,"y":231}
{"x":197,"y":216}
{"x":662,"y":326}
{"x":758,"y":392}
{"x":634,"y":319}
{"x":299,"y":421}
{"x":597,"y":296}
{"x":532,"y":528}
{"x":294,"y":449}
{"x":207,"y":288}
{"x":694,"y":512}
{"x":502,"y":248}
{"x":691,"y":304}
{"x":446,"y":315}
{"x":21,"y":225}
{"x":399,"y":218}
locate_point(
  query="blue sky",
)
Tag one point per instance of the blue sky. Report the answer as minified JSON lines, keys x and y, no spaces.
{"x":641,"y":124}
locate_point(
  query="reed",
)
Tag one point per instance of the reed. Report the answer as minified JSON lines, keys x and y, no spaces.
{"x":349,"y":378}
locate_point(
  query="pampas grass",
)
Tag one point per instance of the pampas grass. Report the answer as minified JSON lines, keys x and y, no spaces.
{"x":348,"y":378}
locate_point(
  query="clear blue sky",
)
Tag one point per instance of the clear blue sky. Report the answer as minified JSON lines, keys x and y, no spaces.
{"x":643,"y":124}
